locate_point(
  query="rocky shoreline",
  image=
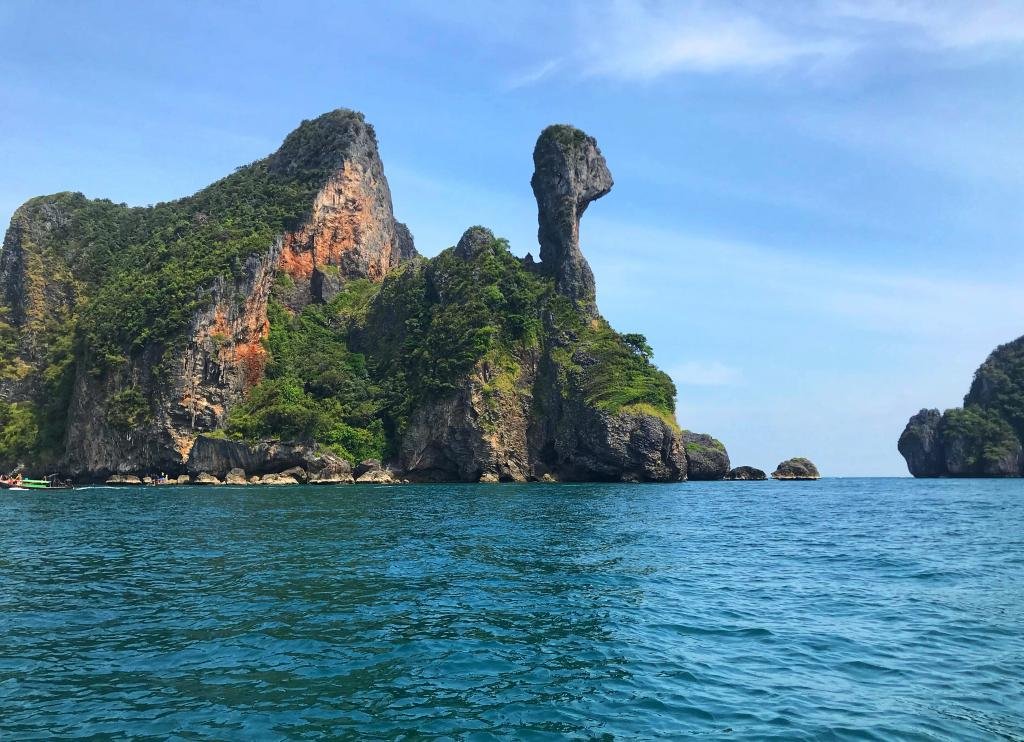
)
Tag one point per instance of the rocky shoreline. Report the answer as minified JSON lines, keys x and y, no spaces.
{"x":369,"y":471}
{"x":217,"y":461}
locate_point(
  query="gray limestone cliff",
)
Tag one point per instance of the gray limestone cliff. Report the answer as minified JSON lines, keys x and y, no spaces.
{"x":569,"y":173}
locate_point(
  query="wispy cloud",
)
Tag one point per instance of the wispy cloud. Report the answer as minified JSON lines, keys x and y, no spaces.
{"x":767,"y":285}
{"x":951,"y":24}
{"x":533,"y":75}
{"x":640,"y":40}
{"x":644,"y":40}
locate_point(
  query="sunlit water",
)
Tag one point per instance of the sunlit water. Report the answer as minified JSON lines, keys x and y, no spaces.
{"x":851,"y":609}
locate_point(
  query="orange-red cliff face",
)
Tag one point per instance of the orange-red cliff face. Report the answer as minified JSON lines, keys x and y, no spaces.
{"x":351,"y":227}
{"x":349,"y":232}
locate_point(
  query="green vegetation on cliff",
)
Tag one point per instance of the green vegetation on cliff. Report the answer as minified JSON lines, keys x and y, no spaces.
{"x":349,"y":374}
{"x":999,"y":385}
{"x":154,"y":261}
{"x":984,"y":437}
{"x":19,"y":433}
{"x":613,"y":370}
{"x":115,"y":304}
{"x":315,"y":388}
{"x":434,"y":320}
{"x":141,"y":271}
{"x":981,"y":437}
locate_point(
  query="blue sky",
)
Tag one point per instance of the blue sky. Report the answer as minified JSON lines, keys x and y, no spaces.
{"x":817,"y":213}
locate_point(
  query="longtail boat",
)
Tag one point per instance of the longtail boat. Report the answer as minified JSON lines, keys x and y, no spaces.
{"x":50,"y":483}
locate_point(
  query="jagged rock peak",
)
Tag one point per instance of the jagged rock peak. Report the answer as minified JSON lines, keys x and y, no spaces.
{"x":473,"y":242}
{"x":569,"y":173}
{"x":921,"y":444}
{"x":351,"y":231}
{"x":325,"y":141}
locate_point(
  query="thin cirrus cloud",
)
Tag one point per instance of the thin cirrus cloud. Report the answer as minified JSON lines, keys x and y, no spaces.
{"x":641,"y":40}
{"x":949,"y":24}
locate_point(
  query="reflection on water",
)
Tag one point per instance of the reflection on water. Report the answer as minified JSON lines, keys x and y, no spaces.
{"x":860,"y":608}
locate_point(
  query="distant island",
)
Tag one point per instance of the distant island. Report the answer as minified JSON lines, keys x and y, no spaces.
{"x":982,"y":438}
{"x":281,"y":324}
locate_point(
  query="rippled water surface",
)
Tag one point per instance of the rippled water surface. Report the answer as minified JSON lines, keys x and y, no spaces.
{"x":851,"y":609}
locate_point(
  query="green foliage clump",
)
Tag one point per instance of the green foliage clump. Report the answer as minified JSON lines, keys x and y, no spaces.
{"x":19,"y":433}
{"x":153,"y":274}
{"x":11,"y":367}
{"x":999,"y":385}
{"x":565,"y":134}
{"x":982,"y":438}
{"x":619,"y":373}
{"x":714,"y":443}
{"x":316,"y":389}
{"x":128,"y":409}
{"x":433,"y":321}
{"x":140,"y":273}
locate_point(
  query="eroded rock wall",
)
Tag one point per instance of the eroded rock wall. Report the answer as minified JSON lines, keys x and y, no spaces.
{"x":352,"y":231}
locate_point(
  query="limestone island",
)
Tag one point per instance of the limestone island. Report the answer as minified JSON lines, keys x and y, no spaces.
{"x":982,"y":438}
{"x":279,"y":326}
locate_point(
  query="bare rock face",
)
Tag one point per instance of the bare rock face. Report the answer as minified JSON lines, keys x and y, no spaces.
{"x":236,"y":476}
{"x":479,"y":430}
{"x":278,"y":479}
{"x":328,"y":468}
{"x":123,"y":479}
{"x":352,"y":232}
{"x":706,"y":457}
{"x":569,"y":173}
{"x":796,"y":468}
{"x":220,"y":457}
{"x":474,"y":242}
{"x":574,"y":441}
{"x":921,"y":445}
{"x":377,"y":476}
{"x":366,"y":465}
{"x":745,"y":473}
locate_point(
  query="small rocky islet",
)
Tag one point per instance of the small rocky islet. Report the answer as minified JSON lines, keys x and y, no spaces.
{"x":796,"y":469}
{"x":983,"y":438}
{"x":745,"y":473}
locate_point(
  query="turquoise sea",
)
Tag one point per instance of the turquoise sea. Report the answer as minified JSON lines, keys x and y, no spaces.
{"x":838,"y":609}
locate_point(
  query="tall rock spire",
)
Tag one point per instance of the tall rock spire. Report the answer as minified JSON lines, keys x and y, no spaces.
{"x":569,"y":173}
